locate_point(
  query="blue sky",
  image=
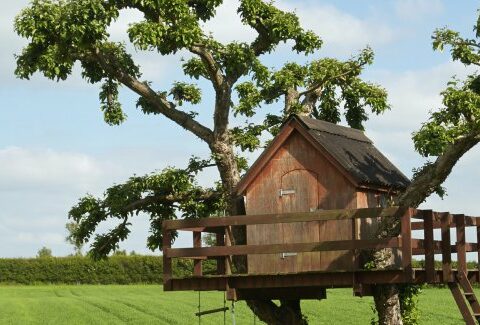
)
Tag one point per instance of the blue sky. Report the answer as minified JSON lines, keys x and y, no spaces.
{"x":55,"y":147}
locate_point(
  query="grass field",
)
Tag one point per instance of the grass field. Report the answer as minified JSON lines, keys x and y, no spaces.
{"x":148,"y":304}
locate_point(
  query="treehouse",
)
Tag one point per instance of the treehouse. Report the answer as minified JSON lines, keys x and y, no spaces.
{"x":314,"y":165}
{"x":313,"y":202}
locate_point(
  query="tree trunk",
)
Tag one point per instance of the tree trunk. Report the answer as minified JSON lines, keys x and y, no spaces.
{"x":387,"y":303}
{"x":289,"y":311}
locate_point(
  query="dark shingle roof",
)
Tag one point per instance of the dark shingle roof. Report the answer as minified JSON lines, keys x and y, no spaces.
{"x":356,"y":153}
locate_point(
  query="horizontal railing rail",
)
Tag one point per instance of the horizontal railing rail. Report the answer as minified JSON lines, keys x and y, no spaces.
{"x":263,"y":219}
{"x":334,"y":245}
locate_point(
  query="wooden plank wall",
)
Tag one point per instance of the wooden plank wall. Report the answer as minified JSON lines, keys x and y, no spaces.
{"x":333,"y":190}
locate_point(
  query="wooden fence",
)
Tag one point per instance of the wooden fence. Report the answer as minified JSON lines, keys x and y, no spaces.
{"x":410,"y":220}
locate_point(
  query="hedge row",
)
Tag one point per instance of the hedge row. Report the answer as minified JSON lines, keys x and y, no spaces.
{"x":115,"y":270}
{"x":83,"y":270}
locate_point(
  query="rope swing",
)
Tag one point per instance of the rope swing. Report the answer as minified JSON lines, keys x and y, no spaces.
{"x":200,"y":313}
{"x":233,"y":312}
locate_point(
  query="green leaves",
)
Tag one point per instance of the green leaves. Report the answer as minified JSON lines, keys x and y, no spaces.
{"x":249,"y":99}
{"x":275,"y":26}
{"x":247,"y":138}
{"x":58,"y":32}
{"x":464,"y":50}
{"x":175,"y":26}
{"x":459,"y":117}
{"x":204,"y":9}
{"x":111,"y":107}
{"x":182,"y":91}
{"x":194,"y":68}
{"x":322,"y":89}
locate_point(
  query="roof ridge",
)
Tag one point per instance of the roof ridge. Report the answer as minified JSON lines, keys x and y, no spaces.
{"x":344,"y":136}
{"x":332,"y":128}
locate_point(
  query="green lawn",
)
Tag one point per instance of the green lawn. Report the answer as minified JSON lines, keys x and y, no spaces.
{"x":138,"y":304}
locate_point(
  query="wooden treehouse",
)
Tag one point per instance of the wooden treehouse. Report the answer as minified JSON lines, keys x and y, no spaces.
{"x":313,"y":202}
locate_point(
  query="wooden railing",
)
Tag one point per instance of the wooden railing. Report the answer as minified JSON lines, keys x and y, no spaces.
{"x":428,"y":246}
{"x":225,"y":248}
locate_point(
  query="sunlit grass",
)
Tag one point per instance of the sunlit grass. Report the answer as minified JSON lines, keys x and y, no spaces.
{"x":148,"y":304}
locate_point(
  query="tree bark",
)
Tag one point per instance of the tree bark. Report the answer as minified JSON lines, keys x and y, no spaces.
{"x":387,"y":303}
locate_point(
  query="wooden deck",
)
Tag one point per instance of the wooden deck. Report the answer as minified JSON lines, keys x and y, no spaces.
{"x":247,"y":285}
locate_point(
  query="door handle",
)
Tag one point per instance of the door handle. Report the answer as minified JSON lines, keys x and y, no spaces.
{"x":283,"y":192}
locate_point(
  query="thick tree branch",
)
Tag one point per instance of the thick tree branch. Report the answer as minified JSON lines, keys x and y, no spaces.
{"x":167,"y":199}
{"x":223,"y":90}
{"x":162,"y":105}
{"x":435,"y":174}
{"x":262,"y":43}
{"x":311,"y":99}
{"x":314,"y":88}
{"x":214,"y":71}
{"x":291,"y":98}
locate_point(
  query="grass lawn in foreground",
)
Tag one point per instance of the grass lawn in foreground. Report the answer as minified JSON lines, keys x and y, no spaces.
{"x":148,"y":304}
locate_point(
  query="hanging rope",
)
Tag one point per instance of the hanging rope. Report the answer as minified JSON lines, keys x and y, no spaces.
{"x":225,"y":308}
{"x":233,"y":312}
{"x":199,"y":310}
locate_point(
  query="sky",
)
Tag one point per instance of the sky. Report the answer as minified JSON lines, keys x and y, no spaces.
{"x":55,"y":147}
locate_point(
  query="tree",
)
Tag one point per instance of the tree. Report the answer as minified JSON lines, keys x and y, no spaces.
{"x":44,"y":252}
{"x":62,"y":32}
{"x":72,"y":227}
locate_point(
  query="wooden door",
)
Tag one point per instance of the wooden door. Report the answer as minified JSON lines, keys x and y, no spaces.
{"x":299,"y":193}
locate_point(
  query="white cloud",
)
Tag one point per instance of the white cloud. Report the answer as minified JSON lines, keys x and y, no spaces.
{"x":342,"y":32}
{"x":45,"y":169}
{"x":416,"y":9}
{"x":39,"y":186}
{"x":412,"y":95}
{"x":227,"y":26}
{"x":47,"y":239}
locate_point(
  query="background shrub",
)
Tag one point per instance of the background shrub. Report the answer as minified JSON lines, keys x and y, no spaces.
{"x":117,"y":269}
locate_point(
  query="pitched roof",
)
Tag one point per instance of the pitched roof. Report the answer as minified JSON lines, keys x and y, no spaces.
{"x":356,"y":153}
{"x":351,"y":149}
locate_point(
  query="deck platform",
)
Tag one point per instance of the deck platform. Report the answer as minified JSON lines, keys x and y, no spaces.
{"x":333,"y":279}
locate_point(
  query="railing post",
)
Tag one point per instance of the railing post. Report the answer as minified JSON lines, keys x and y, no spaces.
{"x":407,"y":244}
{"x":446,"y":248}
{"x":228,"y":242}
{"x":428,"y":245}
{"x":167,"y":261}
{"x":355,"y":236}
{"x":477,"y":222}
{"x":461,"y":252}
{"x":197,"y":243}
{"x":220,"y":241}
